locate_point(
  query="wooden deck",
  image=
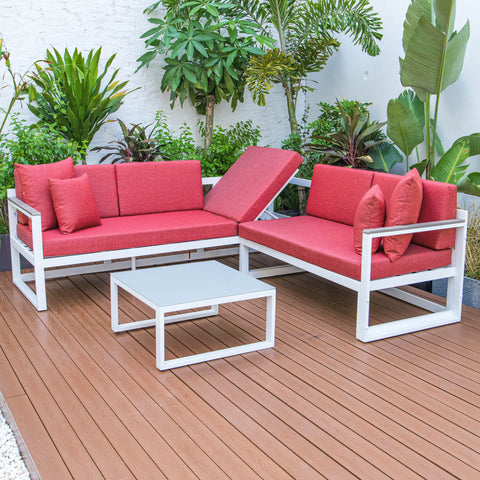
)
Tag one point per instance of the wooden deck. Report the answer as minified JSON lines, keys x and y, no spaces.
{"x":90,"y":404}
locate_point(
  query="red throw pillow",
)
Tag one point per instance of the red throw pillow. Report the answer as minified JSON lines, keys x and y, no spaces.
{"x":36,"y":192}
{"x":74,"y":203}
{"x":404,"y":208}
{"x":370,"y":213}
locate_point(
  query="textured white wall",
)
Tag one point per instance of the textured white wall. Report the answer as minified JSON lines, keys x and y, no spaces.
{"x":29,"y":27}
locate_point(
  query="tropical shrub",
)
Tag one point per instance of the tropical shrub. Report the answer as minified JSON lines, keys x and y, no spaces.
{"x":434,"y":57}
{"x":136,"y":146}
{"x":356,"y":142}
{"x":306,"y":32}
{"x":226,"y":146}
{"x":70,"y":94}
{"x":206,"y":47}
{"x":32,"y":145}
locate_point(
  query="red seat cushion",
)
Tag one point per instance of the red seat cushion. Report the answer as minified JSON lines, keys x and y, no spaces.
{"x":74,"y":204}
{"x":439,"y":203}
{"x":337,"y":191}
{"x":155,"y":187}
{"x":135,"y":231}
{"x":251,"y":183}
{"x":370,"y":214}
{"x":329,"y":245}
{"x":403,"y":209}
{"x":104,"y":186}
{"x":36,"y":191}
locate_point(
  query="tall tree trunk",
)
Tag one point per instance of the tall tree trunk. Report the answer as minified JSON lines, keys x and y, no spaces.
{"x":292,"y":114}
{"x":209,"y":120}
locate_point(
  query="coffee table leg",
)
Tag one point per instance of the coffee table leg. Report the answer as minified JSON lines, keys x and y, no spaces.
{"x":160,"y":339}
{"x":114,"y":304}
{"x":269,"y":341}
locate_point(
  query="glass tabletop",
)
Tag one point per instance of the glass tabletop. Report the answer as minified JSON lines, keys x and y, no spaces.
{"x":189,"y":282}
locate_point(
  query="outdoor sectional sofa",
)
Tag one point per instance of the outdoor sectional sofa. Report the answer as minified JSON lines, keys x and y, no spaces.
{"x":159,"y":208}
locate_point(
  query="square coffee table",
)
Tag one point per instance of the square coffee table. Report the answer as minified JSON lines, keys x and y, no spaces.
{"x":176,"y":288}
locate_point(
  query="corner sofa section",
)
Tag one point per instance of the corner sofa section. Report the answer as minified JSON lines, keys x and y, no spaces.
{"x":322,"y":242}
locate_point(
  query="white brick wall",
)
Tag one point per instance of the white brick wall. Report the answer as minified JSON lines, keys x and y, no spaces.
{"x":29,"y":27}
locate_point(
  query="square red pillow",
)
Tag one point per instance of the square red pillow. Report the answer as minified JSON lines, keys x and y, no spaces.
{"x":74,"y":204}
{"x":35,"y":188}
{"x":403,"y":209}
{"x":370,"y":213}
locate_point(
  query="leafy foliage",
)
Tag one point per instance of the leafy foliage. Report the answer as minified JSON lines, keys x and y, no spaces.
{"x":434,"y":56}
{"x":227,"y":145}
{"x":164,"y":144}
{"x":17,"y":82}
{"x":472,"y":256}
{"x":29,"y":145}
{"x":71,"y":95}
{"x":206,"y":48}
{"x":306,"y":39}
{"x":136,"y":146}
{"x":356,"y":142}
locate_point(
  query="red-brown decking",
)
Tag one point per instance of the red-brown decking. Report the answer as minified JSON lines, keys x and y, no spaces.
{"x":90,"y":404}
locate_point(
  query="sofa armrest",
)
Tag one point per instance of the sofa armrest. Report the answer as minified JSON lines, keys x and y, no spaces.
{"x":414,"y":228}
{"x":459,"y":223}
{"x":210,"y":180}
{"x":23,"y":207}
{"x":14,"y":205}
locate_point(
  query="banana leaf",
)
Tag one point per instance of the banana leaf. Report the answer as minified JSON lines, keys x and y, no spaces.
{"x":434,"y":55}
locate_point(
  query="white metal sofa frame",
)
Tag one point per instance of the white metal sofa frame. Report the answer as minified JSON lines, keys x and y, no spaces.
{"x":440,"y":315}
{"x":63,"y":266}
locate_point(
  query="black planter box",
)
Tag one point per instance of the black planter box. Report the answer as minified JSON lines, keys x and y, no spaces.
{"x":5,"y":259}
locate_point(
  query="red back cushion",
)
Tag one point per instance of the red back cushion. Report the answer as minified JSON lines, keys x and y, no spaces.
{"x":74,"y":204}
{"x":370,"y":214}
{"x":251,"y":183}
{"x":439,"y":203}
{"x":155,"y":187}
{"x":21,"y":218}
{"x":104,"y":186}
{"x":337,"y":191}
{"x":36,"y":191}
{"x":403,"y":208}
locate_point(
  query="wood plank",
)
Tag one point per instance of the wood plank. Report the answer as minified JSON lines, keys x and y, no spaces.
{"x":318,"y":405}
{"x":47,"y":459}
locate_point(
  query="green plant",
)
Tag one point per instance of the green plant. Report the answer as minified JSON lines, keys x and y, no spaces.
{"x":18,"y":83}
{"x":29,"y":145}
{"x":434,"y":57}
{"x":472,"y":256}
{"x":206,"y":48}
{"x":71,"y":95}
{"x":306,"y":39}
{"x":226,"y":146}
{"x":175,"y":146}
{"x":136,"y":146}
{"x":355,"y":142}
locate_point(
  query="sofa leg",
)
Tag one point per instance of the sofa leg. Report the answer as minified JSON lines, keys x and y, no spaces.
{"x":363,"y":314}
{"x":244,"y":259}
{"x":40,"y":287}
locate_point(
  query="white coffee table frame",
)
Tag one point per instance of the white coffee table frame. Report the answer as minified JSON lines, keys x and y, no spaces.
{"x":176,"y":288}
